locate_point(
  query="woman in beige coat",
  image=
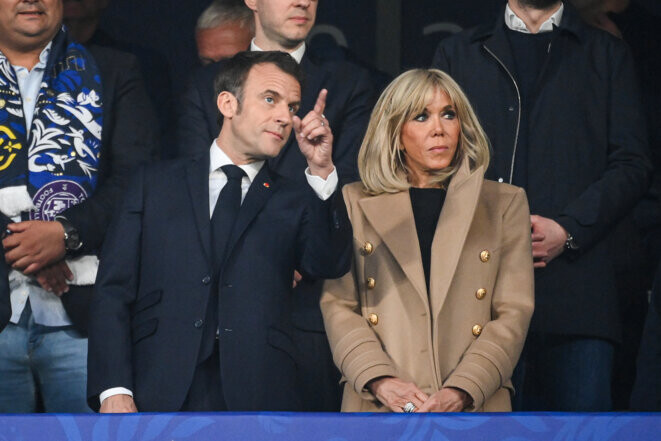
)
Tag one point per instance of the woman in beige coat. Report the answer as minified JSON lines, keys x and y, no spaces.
{"x":434,"y":313}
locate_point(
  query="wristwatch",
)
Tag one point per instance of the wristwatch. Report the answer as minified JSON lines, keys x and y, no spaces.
{"x":72,"y":240}
{"x":570,"y":243}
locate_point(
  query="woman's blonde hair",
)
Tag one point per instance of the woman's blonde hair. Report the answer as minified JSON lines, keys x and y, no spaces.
{"x":380,"y":160}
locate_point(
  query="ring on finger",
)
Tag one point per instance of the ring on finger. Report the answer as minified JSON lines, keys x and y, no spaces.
{"x":408,"y":407}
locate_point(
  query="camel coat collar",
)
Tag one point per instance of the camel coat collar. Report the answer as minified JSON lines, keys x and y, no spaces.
{"x":397,"y":230}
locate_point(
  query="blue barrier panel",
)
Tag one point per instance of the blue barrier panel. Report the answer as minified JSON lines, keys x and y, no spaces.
{"x":333,"y":427}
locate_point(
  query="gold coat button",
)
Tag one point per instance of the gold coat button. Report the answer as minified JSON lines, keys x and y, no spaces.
{"x":485,"y":255}
{"x":477,"y":330}
{"x":367,"y":249}
{"x":480,"y":293}
{"x":371,"y":283}
{"x":374,"y":319}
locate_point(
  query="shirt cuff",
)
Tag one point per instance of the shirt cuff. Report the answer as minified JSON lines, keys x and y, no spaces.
{"x":324,"y":188}
{"x":114,"y":391}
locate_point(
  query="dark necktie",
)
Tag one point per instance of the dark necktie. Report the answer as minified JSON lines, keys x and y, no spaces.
{"x":225,"y":212}
{"x":222,"y":222}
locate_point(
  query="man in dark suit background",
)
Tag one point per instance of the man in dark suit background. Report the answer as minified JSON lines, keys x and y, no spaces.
{"x":195,"y":315}
{"x":559,"y":102}
{"x":73,"y":123}
{"x":283,"y":25}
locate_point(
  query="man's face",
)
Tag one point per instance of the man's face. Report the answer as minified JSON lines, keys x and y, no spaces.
{"x":222,"y":42}
{"x":83,"y":9}
{"x":284,"y":22}
{"x":263,"y":122}
{"x":25,"y":24}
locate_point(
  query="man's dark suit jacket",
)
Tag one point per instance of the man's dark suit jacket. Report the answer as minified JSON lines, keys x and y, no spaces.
{"x":587,"y":163}
{"x":348,"y":107}
{"x":156,"y":278}
{"x":128,"y":140}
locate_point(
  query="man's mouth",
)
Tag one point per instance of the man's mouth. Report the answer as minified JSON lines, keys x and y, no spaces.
{"x":276,"y":135}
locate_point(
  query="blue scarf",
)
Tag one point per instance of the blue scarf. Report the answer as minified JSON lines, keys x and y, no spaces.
{"x":53,"y":165}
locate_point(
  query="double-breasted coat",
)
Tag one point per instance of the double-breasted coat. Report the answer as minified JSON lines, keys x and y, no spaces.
{"x":468,"y":331}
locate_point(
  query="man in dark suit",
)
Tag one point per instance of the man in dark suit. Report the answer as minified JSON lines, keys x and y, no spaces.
{"x":283,"y":25}
{"x":85,"y":117}
{"x":216,"y":295}
{"x":559,"y":102}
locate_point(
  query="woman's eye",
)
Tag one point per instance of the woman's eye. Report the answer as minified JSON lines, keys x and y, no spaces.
{"x":449,"y":114}
{"x":421,"y":118}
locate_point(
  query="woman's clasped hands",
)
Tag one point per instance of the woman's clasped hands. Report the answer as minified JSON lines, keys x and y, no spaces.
{"x":403,"y":396}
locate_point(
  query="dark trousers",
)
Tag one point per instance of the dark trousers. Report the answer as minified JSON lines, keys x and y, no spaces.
{"x":206,"y":391}
{"x":564,"y":373}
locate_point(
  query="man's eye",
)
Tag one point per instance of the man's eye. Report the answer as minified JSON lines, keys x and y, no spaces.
{"x":449,"y":114}
{"x":292,"y":109}
{"x":269,"y":99}
{"x":421,"y":118}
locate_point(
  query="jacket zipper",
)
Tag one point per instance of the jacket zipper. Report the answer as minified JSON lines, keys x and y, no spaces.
{"x":518,"y":121}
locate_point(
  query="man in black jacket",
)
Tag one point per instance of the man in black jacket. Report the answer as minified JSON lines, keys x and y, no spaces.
{"x":559,"y":102}
{"x":73,"y":122}
{"x":283,"y":25}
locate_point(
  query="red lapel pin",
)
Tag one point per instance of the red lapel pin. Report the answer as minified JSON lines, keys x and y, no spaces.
{"x":266,"y":184}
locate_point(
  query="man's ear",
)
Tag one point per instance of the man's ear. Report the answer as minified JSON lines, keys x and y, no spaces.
{"x":251,"y":4}
{"x":227,"y":104}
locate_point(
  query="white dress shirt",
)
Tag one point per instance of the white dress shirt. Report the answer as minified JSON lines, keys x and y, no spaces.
{"x":324,"y":188}
{"x":296,"y":55}
{"x":513,"y":22}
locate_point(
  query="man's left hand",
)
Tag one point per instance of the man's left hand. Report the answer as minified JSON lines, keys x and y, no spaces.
{"x":447,"y":399}
{"x":315,"y":138}
{"x":34,"y":245}
{"x":548,"y":240}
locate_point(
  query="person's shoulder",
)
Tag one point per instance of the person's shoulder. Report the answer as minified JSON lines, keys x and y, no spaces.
{"x":164,"y":169}
{"x":355,"y":192}
{"x":500,"y":193}
{"x":468,"y":37}
{"x":108,"y":57}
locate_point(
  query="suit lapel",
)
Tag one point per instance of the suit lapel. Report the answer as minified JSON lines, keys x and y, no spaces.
{"x":391,"y":216}
{"x":261,"y":189}
{"x":451,"y":231}
{"x":197,"y":177}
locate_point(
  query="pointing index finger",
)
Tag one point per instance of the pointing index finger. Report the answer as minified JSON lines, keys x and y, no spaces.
{"x":320,"y":105}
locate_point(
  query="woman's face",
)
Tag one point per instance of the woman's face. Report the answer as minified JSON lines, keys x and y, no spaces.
{"x":430,"y":139}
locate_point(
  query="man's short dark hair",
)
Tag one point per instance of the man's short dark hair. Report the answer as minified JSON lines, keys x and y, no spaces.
{"x":232,"y":76}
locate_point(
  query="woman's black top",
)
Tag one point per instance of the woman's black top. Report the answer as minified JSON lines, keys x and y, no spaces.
{"x":426,"y":204}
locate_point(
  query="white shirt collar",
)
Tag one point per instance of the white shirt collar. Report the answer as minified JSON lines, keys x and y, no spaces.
{"x":516,"y":24}
{"x":43,"y":56}
{"x":297,"y":54}
{"x":218,"y":158}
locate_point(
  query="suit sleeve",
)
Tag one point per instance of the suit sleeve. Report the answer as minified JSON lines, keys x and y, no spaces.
{"x":626,"y":177}
{"x":129,"y":141}
{"x":325,"y":241}
{"x":489,"y":361}
{"x":351,"y":128}
{"x":193,"y":132}
{"x":109,"y":354}
{"x":357,"y":351}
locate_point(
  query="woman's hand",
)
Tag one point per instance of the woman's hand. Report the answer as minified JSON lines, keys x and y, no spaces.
{"x":395,"y":393}
{"x":447,"y":399}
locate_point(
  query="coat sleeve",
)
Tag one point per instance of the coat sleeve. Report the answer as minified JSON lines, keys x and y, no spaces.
{"x":356,"y":349}
{"x":351,"y":128}
{"x":325,"y":240}
{"x":593,"y":213}
{"x":109,"y":354}
{"x":129,"y":140}
{"x":193,"y":134}
{"x":489,"y":361}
